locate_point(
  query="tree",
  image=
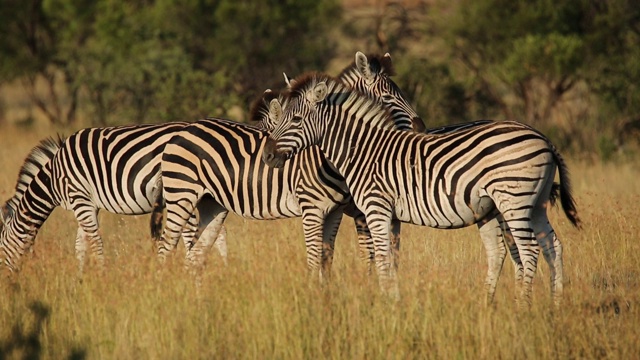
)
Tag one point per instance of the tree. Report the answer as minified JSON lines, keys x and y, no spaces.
{"x":159,"y":60}
{"x":29,"y":44}
{"x":253,"y":42}
{"x":531,"y":51}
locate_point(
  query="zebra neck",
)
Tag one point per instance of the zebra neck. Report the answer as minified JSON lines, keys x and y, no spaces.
{"x":35,"y":206}
{"x":347,"y":143}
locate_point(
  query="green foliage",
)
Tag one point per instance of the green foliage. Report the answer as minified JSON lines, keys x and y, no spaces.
{"x":437,"y":96}
{"x":564,"y":66}
{"x":256,"y":41}
{"x":551,"y":56}
{"x":156,"y":61}
{"x":536,"y":52}
{"x":25,"y":39}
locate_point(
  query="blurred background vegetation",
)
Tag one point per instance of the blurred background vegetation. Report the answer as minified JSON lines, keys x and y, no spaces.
{"x":568,"y":67}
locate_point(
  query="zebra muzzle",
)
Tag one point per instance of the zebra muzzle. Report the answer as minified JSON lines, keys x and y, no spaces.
{"x":272,"y":156}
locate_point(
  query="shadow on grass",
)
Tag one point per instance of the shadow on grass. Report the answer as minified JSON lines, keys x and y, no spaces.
{"x":26,"y":344}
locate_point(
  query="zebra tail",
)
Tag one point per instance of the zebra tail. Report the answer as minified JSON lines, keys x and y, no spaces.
{"x":157,"y":216}
{"x":566,"y":198}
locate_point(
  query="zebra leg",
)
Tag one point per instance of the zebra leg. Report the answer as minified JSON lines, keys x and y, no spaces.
{"x":379,"y":223}
{"x":529,"y":251}
{"x":510,"y":242}
{"x":81,"y":249}
{"x":221,"y":244}
{"x":329,"y":232}
{"x":365,"y":243}
{"x":552,"y":251}
{"x":491,"y":234}
{"x":313,"y":226}
{"x":190,"y":232}
{"x":395,"y":242}
{"x":210,"y":234}
{"x":517,"y":216}
{"x":178,"y":213}
{"x":212,"y":216}
{"x":88,"y":234}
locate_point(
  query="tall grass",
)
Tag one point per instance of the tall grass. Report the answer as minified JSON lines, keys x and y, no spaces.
{"x":265,"y":305}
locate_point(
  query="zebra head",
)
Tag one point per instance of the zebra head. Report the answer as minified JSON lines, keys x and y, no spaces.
{"x":263,"y":113}
{"x":38,"y":158}
{"x":291,"y":133}
{"x":372,"y":76}
{"x":316,"y":105}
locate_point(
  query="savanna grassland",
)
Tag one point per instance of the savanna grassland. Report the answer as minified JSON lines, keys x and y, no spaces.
{"x":264,"y":305}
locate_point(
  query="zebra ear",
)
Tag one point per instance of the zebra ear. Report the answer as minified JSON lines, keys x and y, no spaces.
{"x":290,"y":82}
{"x":388,"y":56}
{"x":275,"y":111}
{"x":318,"y":93}
{"x":362,"y":65}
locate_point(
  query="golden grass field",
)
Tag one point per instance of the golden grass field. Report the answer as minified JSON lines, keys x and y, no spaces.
{"x":263,"y":305}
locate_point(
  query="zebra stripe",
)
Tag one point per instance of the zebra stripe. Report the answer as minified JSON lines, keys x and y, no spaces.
{"x":372,"y":76}
{"x":113,"y":168}
{"x":318,"y":197}
{"x":217,"y":163}
{"x":443,"y":181}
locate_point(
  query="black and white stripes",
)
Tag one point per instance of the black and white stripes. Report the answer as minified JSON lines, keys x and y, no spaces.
{"x":445,"y":181}
{"x":114,"y":168}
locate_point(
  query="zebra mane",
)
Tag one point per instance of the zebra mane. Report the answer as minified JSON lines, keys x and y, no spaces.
{"x":40,"y":155}
{"x":377,"y":64}
{"x":259,"y":111}
{"x":339,"y":93}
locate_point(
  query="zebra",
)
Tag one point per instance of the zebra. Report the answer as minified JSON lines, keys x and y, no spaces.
{"x":112,"y":168}
{"x":377,"y":71}
{"x":215,"y":165}
{"x":442,"y":181}
{"x":372,"y":76}
{"x":327,"y":190}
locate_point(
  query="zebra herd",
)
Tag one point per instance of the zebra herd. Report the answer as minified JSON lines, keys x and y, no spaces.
{"x":315,"y":153}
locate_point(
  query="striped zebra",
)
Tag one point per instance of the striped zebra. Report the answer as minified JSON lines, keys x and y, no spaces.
{"x":217,"y":163}
{"x":372,"y":76}
{"x":312,"y":186}
{"x":114,"y":168}
{"x":443,"y":181}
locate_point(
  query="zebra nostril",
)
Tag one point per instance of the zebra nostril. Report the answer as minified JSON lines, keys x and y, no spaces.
{"x":267,"y":157}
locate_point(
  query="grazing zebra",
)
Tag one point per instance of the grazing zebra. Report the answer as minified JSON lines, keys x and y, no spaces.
{"x":443,"y":181}
{"x":114,"y":168}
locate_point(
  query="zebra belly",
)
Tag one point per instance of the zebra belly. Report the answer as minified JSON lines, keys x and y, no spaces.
{"x":269,"y":205}
{"x":435,"y":205}
{"x":445,"y":217}
{"x":138,"y":202}
{"x":282,"y":210}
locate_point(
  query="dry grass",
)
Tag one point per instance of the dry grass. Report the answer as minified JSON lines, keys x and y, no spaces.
{"x":263,"y":304}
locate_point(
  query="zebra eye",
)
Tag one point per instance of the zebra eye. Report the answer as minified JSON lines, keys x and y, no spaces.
{"x":296,"y":120}
{"x":387,"y":97}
